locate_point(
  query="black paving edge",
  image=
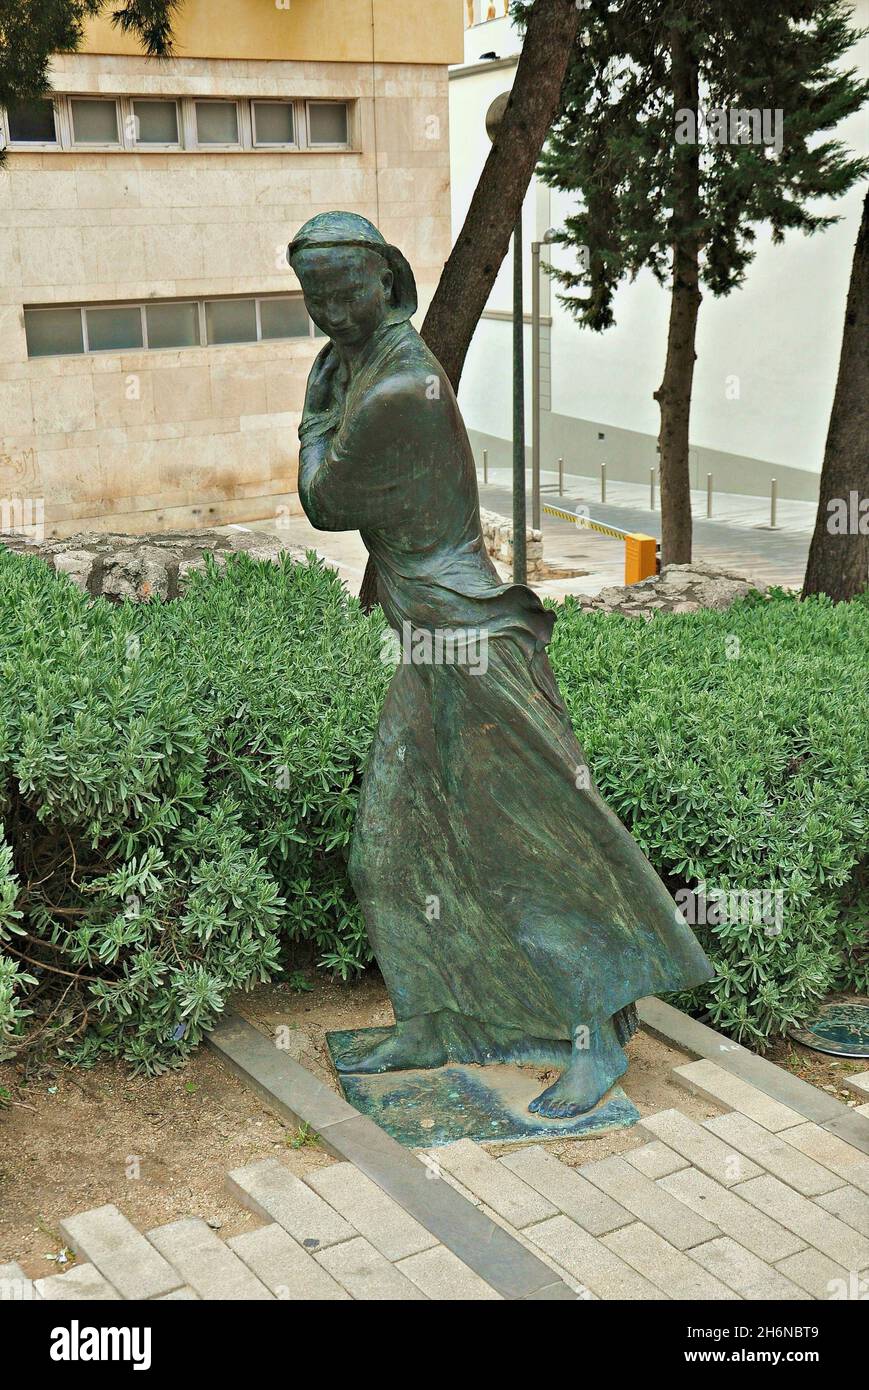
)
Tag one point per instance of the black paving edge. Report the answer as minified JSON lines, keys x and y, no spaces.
{"x":295,"y":1093}
{"x":687,"y":1033}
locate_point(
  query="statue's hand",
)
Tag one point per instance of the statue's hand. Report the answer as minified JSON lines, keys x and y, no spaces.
{"x":323,"y":392}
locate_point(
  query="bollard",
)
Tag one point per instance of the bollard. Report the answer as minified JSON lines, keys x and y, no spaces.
{"x":652,"y":489}
{"x":773,"y":499}
{"x":709,"y":494}
{"x":485,"y":465}
{"x":603,"y":482}
{"x":561,"y":477}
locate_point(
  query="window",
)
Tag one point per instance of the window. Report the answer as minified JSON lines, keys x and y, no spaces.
{"x":172,"y":325}
{"x":217,"y":122}
{"x":94,"y":122}
{"x":32,"y":123}
{"x":283,"y":318}
{"x":69,"y":122}
{"x":327,"y":123}
{"x":230,"y":320}
{"x":273,"y":123}
{"x":53,"y":331}
{"x":115,"y":328}
{"x":155,"y":122}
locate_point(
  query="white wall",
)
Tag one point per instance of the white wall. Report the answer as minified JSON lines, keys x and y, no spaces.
{"x":779,"y":335}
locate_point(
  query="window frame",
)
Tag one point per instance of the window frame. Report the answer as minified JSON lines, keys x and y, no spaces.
{"x":34,"y":146}
{"x":324,"y":145}
{"x":274,"y":144}
{"x":220,"y":146}
{"x":96,"y":146}
{"x":188,"y":135}
{"x":153,"y":146}
{"x":143,"y":305}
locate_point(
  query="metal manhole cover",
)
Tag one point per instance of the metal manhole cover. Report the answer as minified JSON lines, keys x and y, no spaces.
{"x":840,"y":1029}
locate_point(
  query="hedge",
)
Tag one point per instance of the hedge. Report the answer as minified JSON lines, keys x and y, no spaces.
{"x":178,"y":783}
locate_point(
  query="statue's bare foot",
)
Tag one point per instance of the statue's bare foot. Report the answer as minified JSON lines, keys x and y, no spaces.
{"x":591,"y":1072}
{"x":413,"y":1043}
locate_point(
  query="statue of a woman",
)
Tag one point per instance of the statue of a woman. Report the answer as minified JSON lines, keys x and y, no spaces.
{"x":512,"y":915}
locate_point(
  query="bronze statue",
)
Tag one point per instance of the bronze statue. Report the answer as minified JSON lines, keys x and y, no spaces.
{"x":512,"y":915}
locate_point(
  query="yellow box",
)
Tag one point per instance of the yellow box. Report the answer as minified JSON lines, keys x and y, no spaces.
{"x":640,"y":557}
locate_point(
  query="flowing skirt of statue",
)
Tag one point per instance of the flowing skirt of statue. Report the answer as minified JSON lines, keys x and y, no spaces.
{"x":494,"y":882}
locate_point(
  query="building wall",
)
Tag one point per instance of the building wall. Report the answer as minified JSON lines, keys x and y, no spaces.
{"x":150,"y":440}
{"x":767,"y":354}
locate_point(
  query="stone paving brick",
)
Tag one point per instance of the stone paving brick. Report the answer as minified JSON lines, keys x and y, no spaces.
{"x":523,"y":1237}
{"x":773,"y":1154}
{"x":589,"y":1262}
{"x":807,"y":1220}
{"x":850,"y":1205}
{"x":370,"y":1210}
{"x":365,"y":1274}
{"x":702,"y":1149}
{"x":674,"y":1272}
{"x":655,"y":1160}
{"x":820,"y":1276}
{"x":828,"y":1149}
{"x":568,"y":1189}
{"x":743,"y":1272}
{"x":284,"y":1266}
{"x":704,"y":1078}
{"x":861,"y":1109}
{"x":440,"y":1274}
{"x":15,"y":1287}
{"x":183,"y":1294}
{"x":500,"y":1189}
{"x":276,"y":1194}
{"x":83,"y":1282}
{"x":672,"y":1219}
{"x":106,"y":1239}
{"x":205,"y":1262}
{"x":858,"y":1083}
{"x":736,"y":1218}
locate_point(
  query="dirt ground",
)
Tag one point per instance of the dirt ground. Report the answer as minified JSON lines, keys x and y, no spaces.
{"x":159,"y":1148}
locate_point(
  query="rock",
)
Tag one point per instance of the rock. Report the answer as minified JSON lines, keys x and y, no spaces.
{"x":141,"y":568}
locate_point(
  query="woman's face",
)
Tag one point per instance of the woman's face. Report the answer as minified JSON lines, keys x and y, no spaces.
{"x":347,"y":291}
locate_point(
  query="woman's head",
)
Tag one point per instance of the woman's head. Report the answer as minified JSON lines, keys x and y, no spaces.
{"x":352,"y":279}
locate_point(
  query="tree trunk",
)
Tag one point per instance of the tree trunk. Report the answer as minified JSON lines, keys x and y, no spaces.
{"x":674,"y":393}
{"x":839,"y":554}
{"x":474,"y":262}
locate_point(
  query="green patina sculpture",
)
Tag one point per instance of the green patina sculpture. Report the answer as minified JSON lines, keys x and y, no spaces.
{"x":512,"y":915}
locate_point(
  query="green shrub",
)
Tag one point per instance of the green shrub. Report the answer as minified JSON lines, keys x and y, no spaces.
{"x":734,"y":746}
{"x":178,"y":783}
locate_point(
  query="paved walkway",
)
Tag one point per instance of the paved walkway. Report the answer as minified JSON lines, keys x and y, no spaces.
{"x":737,"y":538}
{"x":757,"y":1203}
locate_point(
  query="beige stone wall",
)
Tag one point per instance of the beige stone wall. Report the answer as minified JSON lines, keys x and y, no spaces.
{"x":144,"y":441}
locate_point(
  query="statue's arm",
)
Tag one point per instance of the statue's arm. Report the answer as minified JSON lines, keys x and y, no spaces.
{"x":355,"y":477}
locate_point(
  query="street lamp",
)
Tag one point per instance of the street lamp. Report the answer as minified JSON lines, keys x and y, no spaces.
{"x":494,"y":116}
{"x":548,"y":237}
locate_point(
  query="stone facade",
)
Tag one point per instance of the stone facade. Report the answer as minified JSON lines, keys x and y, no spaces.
{"x":145,"y":441}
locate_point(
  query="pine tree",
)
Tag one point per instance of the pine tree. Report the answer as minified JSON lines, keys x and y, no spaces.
{"x":32,"y":30}
{"x":685,"y":124}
